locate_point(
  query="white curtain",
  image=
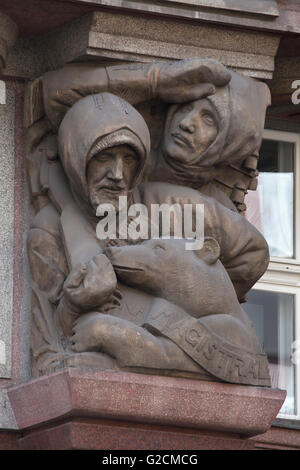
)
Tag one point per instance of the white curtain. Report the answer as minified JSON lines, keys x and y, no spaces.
{"x":270,"y":209}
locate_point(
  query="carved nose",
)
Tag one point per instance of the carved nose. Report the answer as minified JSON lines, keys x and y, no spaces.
{"x":116,"y":172}
{"x":187,"y":125}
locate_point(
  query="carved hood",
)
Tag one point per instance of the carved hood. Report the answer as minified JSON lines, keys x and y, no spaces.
{"x":240,"y":109}
{"x":94,"y":123}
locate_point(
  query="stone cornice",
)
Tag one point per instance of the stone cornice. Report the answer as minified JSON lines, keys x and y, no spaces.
{"x":102,"y":36}
{"x":255,"y":7}
{"x":259,"y":15}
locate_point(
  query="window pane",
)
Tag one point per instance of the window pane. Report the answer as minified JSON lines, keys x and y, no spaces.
{"x":272,"y":315}
{"x":271,"y":207}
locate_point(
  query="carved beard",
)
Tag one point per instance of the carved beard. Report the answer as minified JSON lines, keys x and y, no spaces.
{"x":97,"y":197}
{"x":101,"y":196}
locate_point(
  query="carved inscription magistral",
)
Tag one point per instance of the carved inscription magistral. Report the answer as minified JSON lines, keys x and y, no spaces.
{"x":124,"y":141}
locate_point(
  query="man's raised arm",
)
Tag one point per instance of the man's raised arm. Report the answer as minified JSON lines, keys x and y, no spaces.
{"x":173,"y":82}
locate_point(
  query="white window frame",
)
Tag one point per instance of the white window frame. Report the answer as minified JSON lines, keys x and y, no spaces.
{"x":269,"y":287}
{"x":283,"y":275}
{"x":295,"y":139}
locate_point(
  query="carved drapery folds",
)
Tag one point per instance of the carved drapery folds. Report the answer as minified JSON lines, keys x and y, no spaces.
{"x":185,"y":132}
{"x":8,"y":36}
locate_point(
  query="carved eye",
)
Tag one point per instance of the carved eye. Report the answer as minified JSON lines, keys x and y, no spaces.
{"x":102,"y":157}
{"x":129,"y":159}
{"x":159,"y":247}
{"x":208,"y":119}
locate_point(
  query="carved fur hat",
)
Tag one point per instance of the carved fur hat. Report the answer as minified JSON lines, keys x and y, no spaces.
{"x":94,"y":123}
{"x":240,"y":109}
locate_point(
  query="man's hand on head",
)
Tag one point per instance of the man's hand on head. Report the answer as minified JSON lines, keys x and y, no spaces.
{"x":189,"y":79}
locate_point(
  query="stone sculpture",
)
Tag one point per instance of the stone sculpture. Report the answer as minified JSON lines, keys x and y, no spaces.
{"x":148,"y":306}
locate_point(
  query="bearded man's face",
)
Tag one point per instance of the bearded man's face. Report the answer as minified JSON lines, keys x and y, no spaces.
{"x":110,"y":174}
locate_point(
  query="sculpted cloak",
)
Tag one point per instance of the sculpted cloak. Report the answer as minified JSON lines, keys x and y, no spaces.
{"x":91,"y":125}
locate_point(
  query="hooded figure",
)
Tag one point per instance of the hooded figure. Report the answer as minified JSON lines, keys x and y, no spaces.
{"x":237,"y":111}
{"x":93,"y":124}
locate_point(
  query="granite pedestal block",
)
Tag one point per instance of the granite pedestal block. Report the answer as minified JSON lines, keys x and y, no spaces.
{"x":85,"y":409}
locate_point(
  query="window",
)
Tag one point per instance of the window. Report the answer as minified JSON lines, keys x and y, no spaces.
{"x":272,"y":205}
{"x":274,"y":303}
{"x":273,"y":317}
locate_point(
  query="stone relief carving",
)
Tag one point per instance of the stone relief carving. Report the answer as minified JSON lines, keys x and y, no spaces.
{"x":8,"y":36}
{"x":185,"y":132}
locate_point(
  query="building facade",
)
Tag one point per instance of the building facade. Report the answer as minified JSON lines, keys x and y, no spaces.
{"x":256,"y":38}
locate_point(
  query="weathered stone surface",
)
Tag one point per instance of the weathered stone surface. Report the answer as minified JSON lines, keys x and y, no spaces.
{"x":260,"y":7}
{"x":7,"y":118}
{"x":215,"y":120}
{"x":120,"y":436}
{"x":9,"y":440}
{"x":8,"y":36}
{"x":263,"y":14}
{"x":117,"y":36}
{"x":287,"y":71}
{"x":278,"y":438}
{"x":145,"y":399}
{"x":105,"y":36}
{"x":36,"y":64}
{"x":102,"y":36}
{"x":7,"y":419}
{"x":28,"y":59}
{"x":260,"y":15}
{"x":14,"y":269}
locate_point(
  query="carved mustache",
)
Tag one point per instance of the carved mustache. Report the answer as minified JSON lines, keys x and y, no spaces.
{"x":183,"y":139}
{"x":109,"y":187}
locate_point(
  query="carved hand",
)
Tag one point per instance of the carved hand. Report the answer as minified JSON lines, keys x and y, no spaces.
{"x":189,"y":79}
{"x":130,"y":344}
{"x":90,"y":285}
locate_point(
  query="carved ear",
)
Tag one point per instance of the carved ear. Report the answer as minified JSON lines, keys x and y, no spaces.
{"x":210,"y":252}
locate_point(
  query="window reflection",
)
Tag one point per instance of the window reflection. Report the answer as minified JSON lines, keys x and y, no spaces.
{"x":272,"y":315}
{"x":271,"y":207}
